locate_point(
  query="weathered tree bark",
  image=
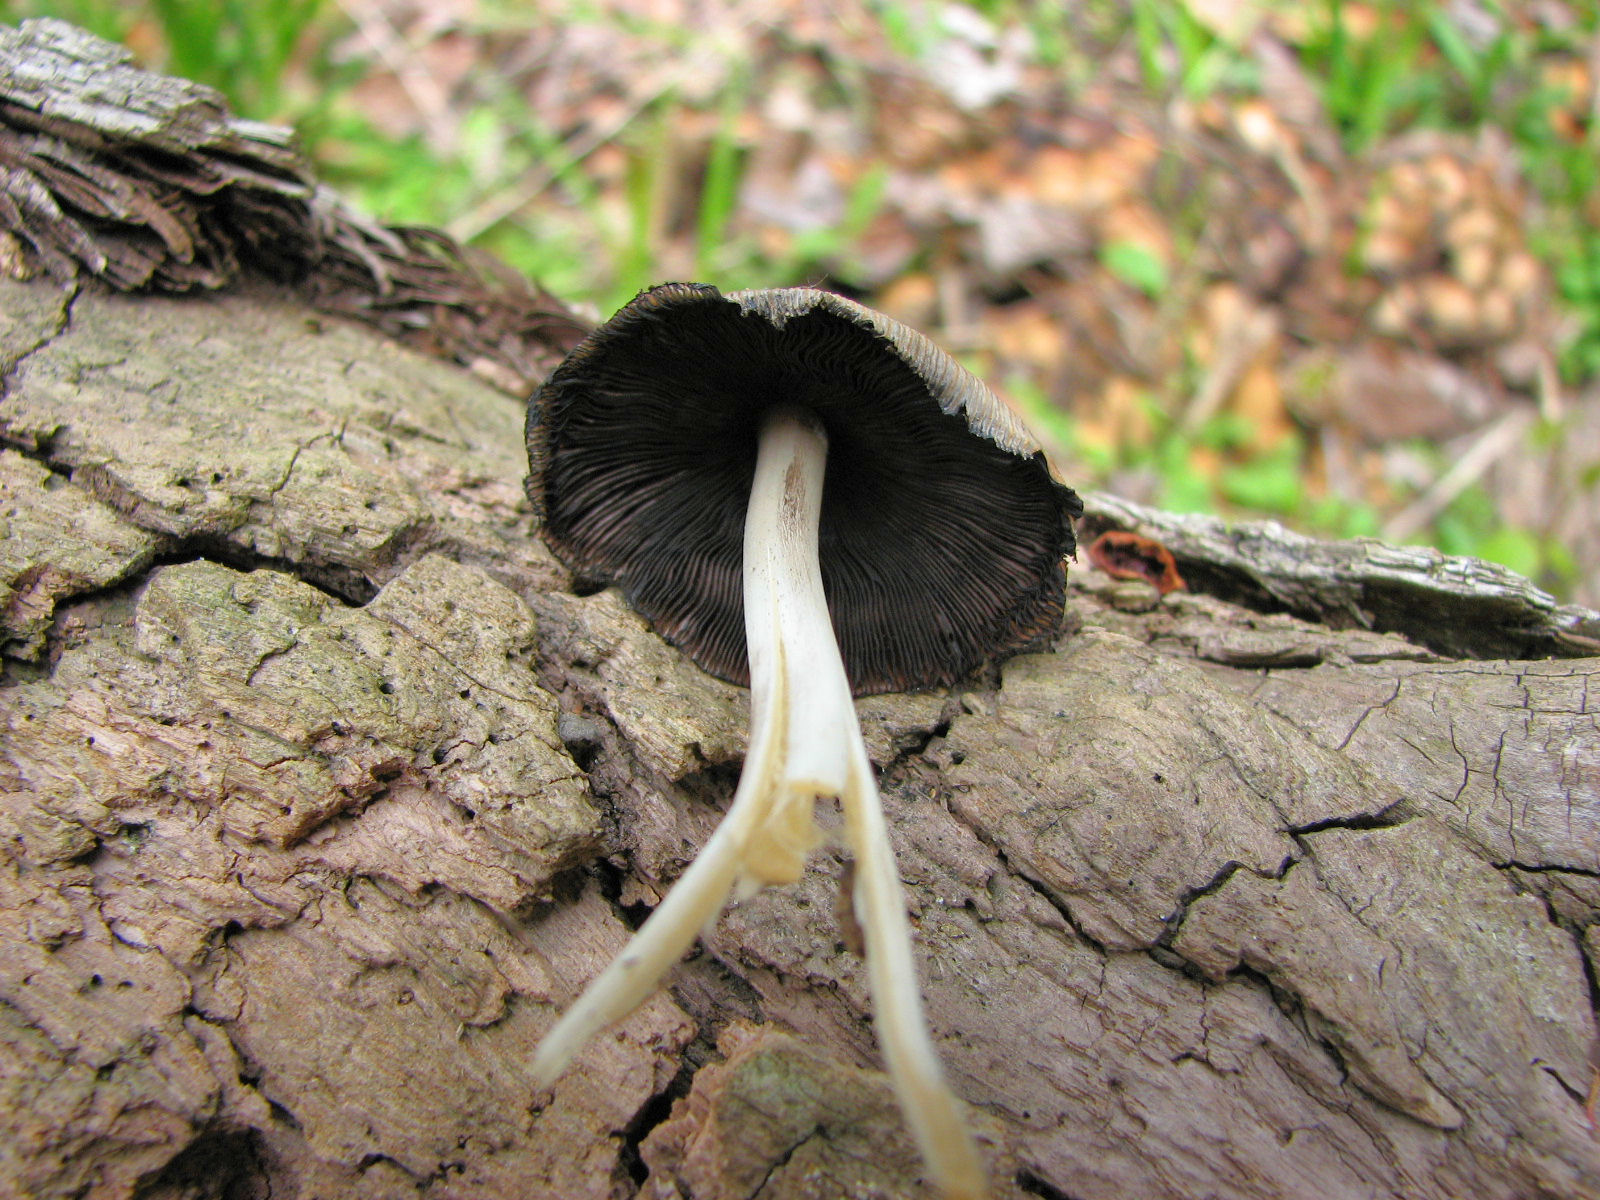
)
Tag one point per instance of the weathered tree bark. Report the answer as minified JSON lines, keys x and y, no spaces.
{"x":147,"y":181}
{"x":323,"y":793}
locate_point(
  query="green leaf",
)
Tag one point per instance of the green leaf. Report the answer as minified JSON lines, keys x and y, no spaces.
{"x":1268,"y":484}
{"x":1518,"y":549}
{"x":1136,"y":265}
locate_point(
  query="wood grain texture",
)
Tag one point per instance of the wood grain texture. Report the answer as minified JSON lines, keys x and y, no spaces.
{"x":147,"y":181}
{"x":322,"y":794}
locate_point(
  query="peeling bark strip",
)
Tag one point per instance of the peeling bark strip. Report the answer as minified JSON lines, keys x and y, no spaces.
{"x":1464,"y":607}
{"x":146,"y":181}
{"x":321,"y":795}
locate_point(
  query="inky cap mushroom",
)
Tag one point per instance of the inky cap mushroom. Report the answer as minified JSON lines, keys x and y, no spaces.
{"x":809,"y":496}
{"x":943,"y":531}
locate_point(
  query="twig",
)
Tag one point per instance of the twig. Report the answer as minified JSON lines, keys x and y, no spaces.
{"x":497,"y":206}
{"x":415,"y":79}
{"x":1240,"y":341}
{"x":1492,"y":444}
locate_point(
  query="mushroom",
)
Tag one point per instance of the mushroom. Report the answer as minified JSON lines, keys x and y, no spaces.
{"x":811,"y":498}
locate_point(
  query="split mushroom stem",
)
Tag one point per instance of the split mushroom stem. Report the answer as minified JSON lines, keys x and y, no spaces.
{"x":805,"y":743}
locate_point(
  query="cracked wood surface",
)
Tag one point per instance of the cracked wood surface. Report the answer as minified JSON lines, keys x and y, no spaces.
{"x":322,"y":793}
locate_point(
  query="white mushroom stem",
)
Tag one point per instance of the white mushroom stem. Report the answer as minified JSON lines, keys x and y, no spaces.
{"x":805,"y":743}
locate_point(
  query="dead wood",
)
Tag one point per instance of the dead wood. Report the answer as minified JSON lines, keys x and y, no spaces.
{"x":146,"y":181}
{"x":323,"y":793}
{"x":322,"y":790}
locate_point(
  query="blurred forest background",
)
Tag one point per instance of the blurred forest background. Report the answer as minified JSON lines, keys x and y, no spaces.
{"x":1327,"y":261}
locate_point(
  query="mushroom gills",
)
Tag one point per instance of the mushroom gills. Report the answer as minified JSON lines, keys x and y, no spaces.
{"x":805,"y":743}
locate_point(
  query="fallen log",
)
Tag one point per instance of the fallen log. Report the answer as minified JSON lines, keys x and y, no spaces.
{"x":322,"y":792}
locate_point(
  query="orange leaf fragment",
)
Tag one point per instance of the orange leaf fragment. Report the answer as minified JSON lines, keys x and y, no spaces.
{"x":1124,"y":555}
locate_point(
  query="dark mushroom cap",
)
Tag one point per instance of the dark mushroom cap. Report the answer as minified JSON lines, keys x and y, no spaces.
{"x":943,"y":531}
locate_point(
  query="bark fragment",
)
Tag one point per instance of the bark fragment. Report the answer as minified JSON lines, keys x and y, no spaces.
{"x":38,"y":567}
{"x":147,"y":181}
{"x":776,"y":1120}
